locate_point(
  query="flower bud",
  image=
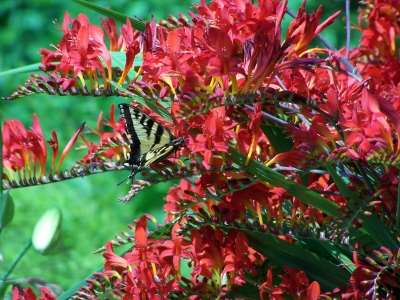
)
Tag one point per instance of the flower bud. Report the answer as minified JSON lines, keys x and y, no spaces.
{"x":47,"y":231}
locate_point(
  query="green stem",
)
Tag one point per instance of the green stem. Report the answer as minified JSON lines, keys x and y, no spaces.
{"x":16,"y":260}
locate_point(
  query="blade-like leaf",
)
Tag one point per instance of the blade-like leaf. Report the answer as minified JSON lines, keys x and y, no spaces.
{"x":363,"y":239}
{"x":379,"y":231}
{"x":113,"y":14}
{"x":330,"y":251}
{"x":164,"y":231}
{"x":371,"y":223}
{"x":6,"y":209}
{"x":278,"y":137}
{"x":281,"y":252}
{"x":67,"y":295}
{"x":4,"y":288}
{"x":247,"y":291}
{"x":25,"y":69}
{"x":152,"y":106}
{"x":276,"y":179}
{"x":119,"y":59}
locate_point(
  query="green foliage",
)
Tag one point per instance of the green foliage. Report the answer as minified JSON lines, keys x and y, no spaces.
{"x":7,"y":207}
{"x":92,"y":215}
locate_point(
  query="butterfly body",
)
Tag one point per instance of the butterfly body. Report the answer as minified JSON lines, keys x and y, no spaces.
{"x":149,"y":141}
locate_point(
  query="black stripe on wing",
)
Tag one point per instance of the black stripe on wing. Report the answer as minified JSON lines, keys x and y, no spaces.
{"x":150,"y":142}
{"x":130,"y":129}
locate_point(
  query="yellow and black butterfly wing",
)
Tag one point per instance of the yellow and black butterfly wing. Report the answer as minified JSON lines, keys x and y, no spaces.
{"x":150,"y":142}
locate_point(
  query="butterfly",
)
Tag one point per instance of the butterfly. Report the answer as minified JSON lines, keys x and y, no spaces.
{"x":149,"y":141}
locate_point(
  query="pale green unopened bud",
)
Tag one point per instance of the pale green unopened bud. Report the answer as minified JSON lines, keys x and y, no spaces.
{"x":47,"y":231}
{"x":6,"y":209}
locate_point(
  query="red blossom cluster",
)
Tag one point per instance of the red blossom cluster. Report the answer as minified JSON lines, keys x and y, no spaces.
{"x":29,"y":294}
{"x":23,"y":148}
{"x":96,"y":151}
{"x":294,"y":282}
{"x":79,"y":52}
{"x":153,"y":269}
{"x":222,"y":72}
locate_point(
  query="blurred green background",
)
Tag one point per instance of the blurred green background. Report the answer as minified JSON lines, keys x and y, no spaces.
{"x":91,"y":211}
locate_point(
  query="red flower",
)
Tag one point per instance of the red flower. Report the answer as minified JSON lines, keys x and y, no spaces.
{"x":113,"y":261}
{"x":305,"y":27}
{"x":22,"y":147}
{"x":79,"y":51}
{"x":172,"y":253}
{"x":237,"y":259}
{"x":111,"y":30}
{"x":147,"y":271}
{"x":268,"y":288}
{"x":260,"y":196}
{"x":295,"y":283}
{"x":28,"y":294}
{"x":129,"y":37}
{"x":105,"y":149}
{"x":214,"y":138}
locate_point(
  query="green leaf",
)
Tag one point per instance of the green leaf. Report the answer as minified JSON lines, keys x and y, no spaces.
{"x":152,"y":106}
{"x":113,"y":14}
{"x":363,"y":239}
{"x":67,"y":295}
{"x":119,"y":60}
{"x":379,"y":231}
{"x":7,"y":208}
{"x":247,"y":291}
{"x":25,"y":69}
{"x":371,"y":223}
{"x":281,"y":252}
{"x":276,"y":179}
{"x":4,"y":288}
{"x":162,"y":232}
{"x":336,"y":253}
{"x":278,"y":137}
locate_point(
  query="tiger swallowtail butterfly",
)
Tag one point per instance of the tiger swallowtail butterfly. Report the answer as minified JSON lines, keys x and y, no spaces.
{"x":149,"y":141}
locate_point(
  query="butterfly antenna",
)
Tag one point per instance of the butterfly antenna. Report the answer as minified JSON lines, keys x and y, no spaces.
{"x":123,"y":181}
{"x":134,"y":171}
